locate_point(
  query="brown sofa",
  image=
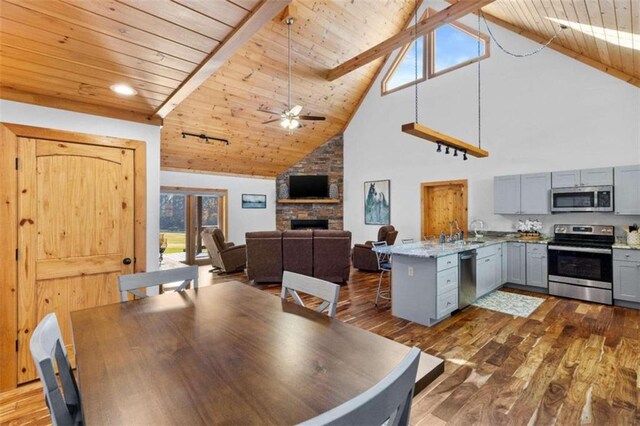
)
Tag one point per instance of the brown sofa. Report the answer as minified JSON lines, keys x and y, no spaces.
{"x":364,"y":258}
{"x":227,"y":257}
{"x":331,"y":255}
{"x":264,"y":256}
{"x":297,"y":252}
{"x":320,"y":253}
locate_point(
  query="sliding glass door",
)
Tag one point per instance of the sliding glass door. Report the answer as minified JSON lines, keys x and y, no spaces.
{"x":199,"y":209}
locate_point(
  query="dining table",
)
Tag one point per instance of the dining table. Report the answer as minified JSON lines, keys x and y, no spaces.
{"x":227,"y":353}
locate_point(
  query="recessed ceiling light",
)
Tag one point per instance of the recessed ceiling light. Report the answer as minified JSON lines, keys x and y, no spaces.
{"x":123,"y":89}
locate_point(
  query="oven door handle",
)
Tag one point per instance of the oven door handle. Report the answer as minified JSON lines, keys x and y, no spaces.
{"x":581,"y":249}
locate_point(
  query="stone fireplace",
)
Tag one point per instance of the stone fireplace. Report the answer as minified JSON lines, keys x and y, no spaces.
{"x":327,"y":159}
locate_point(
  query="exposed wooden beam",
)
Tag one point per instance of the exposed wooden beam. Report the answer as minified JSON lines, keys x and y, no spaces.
{"x":406,"y":36}
{"x":261,"y":14}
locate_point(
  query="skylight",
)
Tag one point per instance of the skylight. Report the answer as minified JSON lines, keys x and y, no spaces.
{"x":619,"y":38}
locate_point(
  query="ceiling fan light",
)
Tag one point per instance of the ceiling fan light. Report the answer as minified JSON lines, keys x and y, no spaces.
{"x":285,"y":123}
{"x":293,"y":124}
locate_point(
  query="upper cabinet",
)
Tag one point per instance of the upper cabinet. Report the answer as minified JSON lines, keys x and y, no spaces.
{"x":567,"y":179}
{"x":586,"y":177}
{"x":506,"y":194}
{"x":597,"y":177}
{"x":627,"y":190}
{"x":522,"y":194}
{"x":534,"y":193}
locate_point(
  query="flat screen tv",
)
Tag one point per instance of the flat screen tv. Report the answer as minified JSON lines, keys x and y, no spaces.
{"x":308,"y":186}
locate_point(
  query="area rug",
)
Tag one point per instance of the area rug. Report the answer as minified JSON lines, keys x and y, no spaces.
{"x":509,"y":303}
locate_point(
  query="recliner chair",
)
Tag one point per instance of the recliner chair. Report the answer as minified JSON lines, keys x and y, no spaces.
{"x":363,"y":258}
{"x":225,"y":256}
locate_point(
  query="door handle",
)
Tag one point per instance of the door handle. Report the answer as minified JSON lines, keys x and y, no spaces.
{"x":126,"y":261}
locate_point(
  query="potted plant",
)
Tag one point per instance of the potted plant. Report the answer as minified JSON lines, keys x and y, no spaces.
{"x":529,"y":229}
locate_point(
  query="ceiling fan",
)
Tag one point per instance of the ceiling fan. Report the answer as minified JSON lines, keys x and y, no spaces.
{"x":290,"y":118}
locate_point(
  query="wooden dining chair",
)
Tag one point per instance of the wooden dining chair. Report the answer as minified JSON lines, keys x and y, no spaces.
{"x":388,"y":402}
{"x":292,"y":283}
{"x":132,"y":283}
{"x":47,"y":347}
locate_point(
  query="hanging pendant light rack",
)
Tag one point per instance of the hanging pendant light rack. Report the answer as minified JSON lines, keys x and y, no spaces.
{"x":442,"y":140}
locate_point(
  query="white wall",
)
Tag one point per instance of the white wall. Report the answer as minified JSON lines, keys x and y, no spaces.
{"x":31,"y":115}
{"x":541,"y":113}
{"x":240,"y":220}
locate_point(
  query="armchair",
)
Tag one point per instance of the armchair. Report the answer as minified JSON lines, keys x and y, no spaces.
{"x":364,"y":258}
{"x":225,"y":256}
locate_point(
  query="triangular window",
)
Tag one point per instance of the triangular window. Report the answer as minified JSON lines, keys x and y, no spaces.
{"x":403,"y":71}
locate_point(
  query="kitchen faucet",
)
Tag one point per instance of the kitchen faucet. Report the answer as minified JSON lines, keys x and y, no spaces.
{"x":451,"y":236}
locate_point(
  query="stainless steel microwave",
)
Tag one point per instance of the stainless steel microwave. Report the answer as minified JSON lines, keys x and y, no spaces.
{"x":582,"y":199}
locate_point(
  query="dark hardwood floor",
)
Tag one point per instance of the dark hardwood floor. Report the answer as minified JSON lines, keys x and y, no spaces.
{"x":568,"y":363}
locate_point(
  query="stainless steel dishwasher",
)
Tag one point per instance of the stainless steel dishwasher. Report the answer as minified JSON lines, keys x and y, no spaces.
{"x":467,"y":275}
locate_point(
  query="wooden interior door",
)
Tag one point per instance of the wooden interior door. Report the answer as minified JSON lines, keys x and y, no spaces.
{"x":76,"y":230}
{"x":443,"y":203}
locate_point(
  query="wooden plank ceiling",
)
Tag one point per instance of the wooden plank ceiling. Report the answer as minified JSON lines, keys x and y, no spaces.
{"x":325,"y":33}
{"x":602,"y":33}
{"x":67,"y":53}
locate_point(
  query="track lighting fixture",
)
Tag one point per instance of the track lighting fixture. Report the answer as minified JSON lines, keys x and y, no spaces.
{"x":439,"y":148}
{"x":205,"y":138}
{"x":455,"y":152}
{"x":446,"y":151}
{"x":464,"y":156}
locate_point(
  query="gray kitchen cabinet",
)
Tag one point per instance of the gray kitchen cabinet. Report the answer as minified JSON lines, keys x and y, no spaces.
{"x":537,"y":265}
{"x":626,"y":281}
{"x":517,"y":264}
{"x":485,"y":275}
{"x":596,"y":177}
{"x":585,"y":177}
{"x":534,"y":193}
{"x":506,"y":194}
{"x":504,"y":265}
{"x":500,"y":263}
{"x":626,"y":275}
{"x":627,"y":190}
{"x":565,"y":179}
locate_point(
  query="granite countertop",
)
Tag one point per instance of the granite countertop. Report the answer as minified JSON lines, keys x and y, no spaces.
{"x":428,"y":249}
{"x":625,"y":246}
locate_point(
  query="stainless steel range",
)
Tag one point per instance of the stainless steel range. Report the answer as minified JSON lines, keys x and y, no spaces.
{"x":581,"y":262}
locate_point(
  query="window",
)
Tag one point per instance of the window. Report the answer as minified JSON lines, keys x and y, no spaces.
{"x":453,"y":46}
{"x":184,"y":214}
{"x":403,"y":72}
{"x":450,"y":47}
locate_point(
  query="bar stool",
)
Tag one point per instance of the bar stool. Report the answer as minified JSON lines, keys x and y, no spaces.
{"x":384,"y":264}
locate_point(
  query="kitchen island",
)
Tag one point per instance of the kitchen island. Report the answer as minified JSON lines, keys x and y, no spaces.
{"x":426,"y":276}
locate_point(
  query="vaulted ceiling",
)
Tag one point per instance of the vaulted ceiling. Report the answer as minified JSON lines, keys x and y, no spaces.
{"x":324,"y":34}
{"x":67,"y":53}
